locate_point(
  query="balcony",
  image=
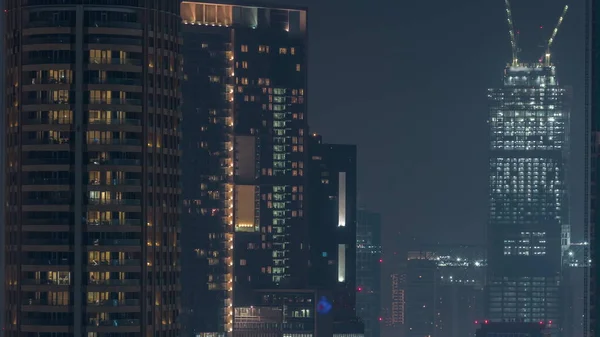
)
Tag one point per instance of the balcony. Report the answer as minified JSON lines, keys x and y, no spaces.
{"x":46,"y":262}
{"x":32,"y":282}
{"x":124,"y":202}
{"x":47,"y":60}
{"x":116,"y":182}
{"x":49,"y":39}
{"x":34,"y":202}
{"x":126,"y":162}
{"x":49,"y":80}
{"x":115,"y":222}
{"x":39,"y":323}
{"x":98,"y":60}
{"x":45,"y":302}
{"x":123,"y":101}
{"x":46,"y":141}
{"x":47,"y":121}
{"x":114,"y":121}
{"x":91,"y":39}
{"x":49,"y":24}
{"x":114,"y":141}
{"x":114,"y":263}
{"x":37,"y":101}
{"x":46,"y":161}
{"x":114,"y":282}
{"x":114,"y":303}
{"x":115,"y":322}
{"x":47,"y":181}
{"x":47,"y":222}
{"x":45,"y":242}
{"x":116,"y":242}
{"x":114,"y":24}
{"x":116,"y":81}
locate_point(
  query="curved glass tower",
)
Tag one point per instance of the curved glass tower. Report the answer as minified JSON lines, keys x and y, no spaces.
{"x":92,"y":168}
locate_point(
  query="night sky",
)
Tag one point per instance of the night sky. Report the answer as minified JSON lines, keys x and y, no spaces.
{"x":406,"y":81}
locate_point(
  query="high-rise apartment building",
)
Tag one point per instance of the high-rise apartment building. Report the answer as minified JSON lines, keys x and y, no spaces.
{"x":444,"y":290}
{"x":398,"y":300}
{"x":528,"y":121}
{"x":332,"y":214}
{"x":421,"y":293}
{"x":368,"y":270}
{"x":92,"y":168}
{"x":245,"y":228}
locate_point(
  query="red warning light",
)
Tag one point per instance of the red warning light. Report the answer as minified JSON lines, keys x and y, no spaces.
{"x":541,"y":322}
{"x":486,"y":321}
{"x":380,"y":319}
{"x":541,"y":27}
{"x":359,"y":289}
{"x":549,"y":322}
{"x":380,"y":260}
{"x":476,"y":322}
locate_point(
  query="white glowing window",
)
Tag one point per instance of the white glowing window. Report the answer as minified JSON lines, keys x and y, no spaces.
{"x":341,"y":263}
{"x":342,"y":199}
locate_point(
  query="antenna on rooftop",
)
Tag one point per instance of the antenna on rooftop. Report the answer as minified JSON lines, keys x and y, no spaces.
{"x":511,"y":32}
{"x":546,"y":57}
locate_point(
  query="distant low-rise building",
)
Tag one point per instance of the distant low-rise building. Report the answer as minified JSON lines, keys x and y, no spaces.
{"x":512,"y":329}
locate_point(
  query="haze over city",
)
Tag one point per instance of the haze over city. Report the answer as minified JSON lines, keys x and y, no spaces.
{"x":299,"y":168}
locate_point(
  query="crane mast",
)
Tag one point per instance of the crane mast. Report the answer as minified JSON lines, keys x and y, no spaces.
{"x":511,"y":32}
{"x":546,"y":57}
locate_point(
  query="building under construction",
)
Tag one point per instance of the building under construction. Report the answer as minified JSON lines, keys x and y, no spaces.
{"x":528,"y":201}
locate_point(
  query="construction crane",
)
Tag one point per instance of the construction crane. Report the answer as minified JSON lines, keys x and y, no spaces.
{"x":546,"y":56}
{"x":511,"y":32}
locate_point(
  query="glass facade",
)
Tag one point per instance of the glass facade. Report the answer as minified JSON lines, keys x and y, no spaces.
{"x":368,"y":270}
{"x":528,"y":123}
{"x":245,"y":127}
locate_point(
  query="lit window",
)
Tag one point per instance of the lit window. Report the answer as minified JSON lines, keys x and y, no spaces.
{"x":297,"y":67}
{"x":244,"y":48}
{"x":283,"y":51}
{"x":244,"y":64}
{"x":293,"y":51}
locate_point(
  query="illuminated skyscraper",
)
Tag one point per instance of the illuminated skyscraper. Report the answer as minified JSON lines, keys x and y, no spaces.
{"x":332,"y":200}
{"x":368,"y":270}
{"x":91,"y":217}
{"x":529,"y":142}
{"x":245,"y":229}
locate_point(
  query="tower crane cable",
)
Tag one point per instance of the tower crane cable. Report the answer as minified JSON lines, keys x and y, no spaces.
{"x":546,"y":57}
{"x":511,"y":32}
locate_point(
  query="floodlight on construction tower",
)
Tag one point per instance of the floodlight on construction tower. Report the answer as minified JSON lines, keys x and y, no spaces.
{"x":546,"y":56}
{"x":511,"y":32}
